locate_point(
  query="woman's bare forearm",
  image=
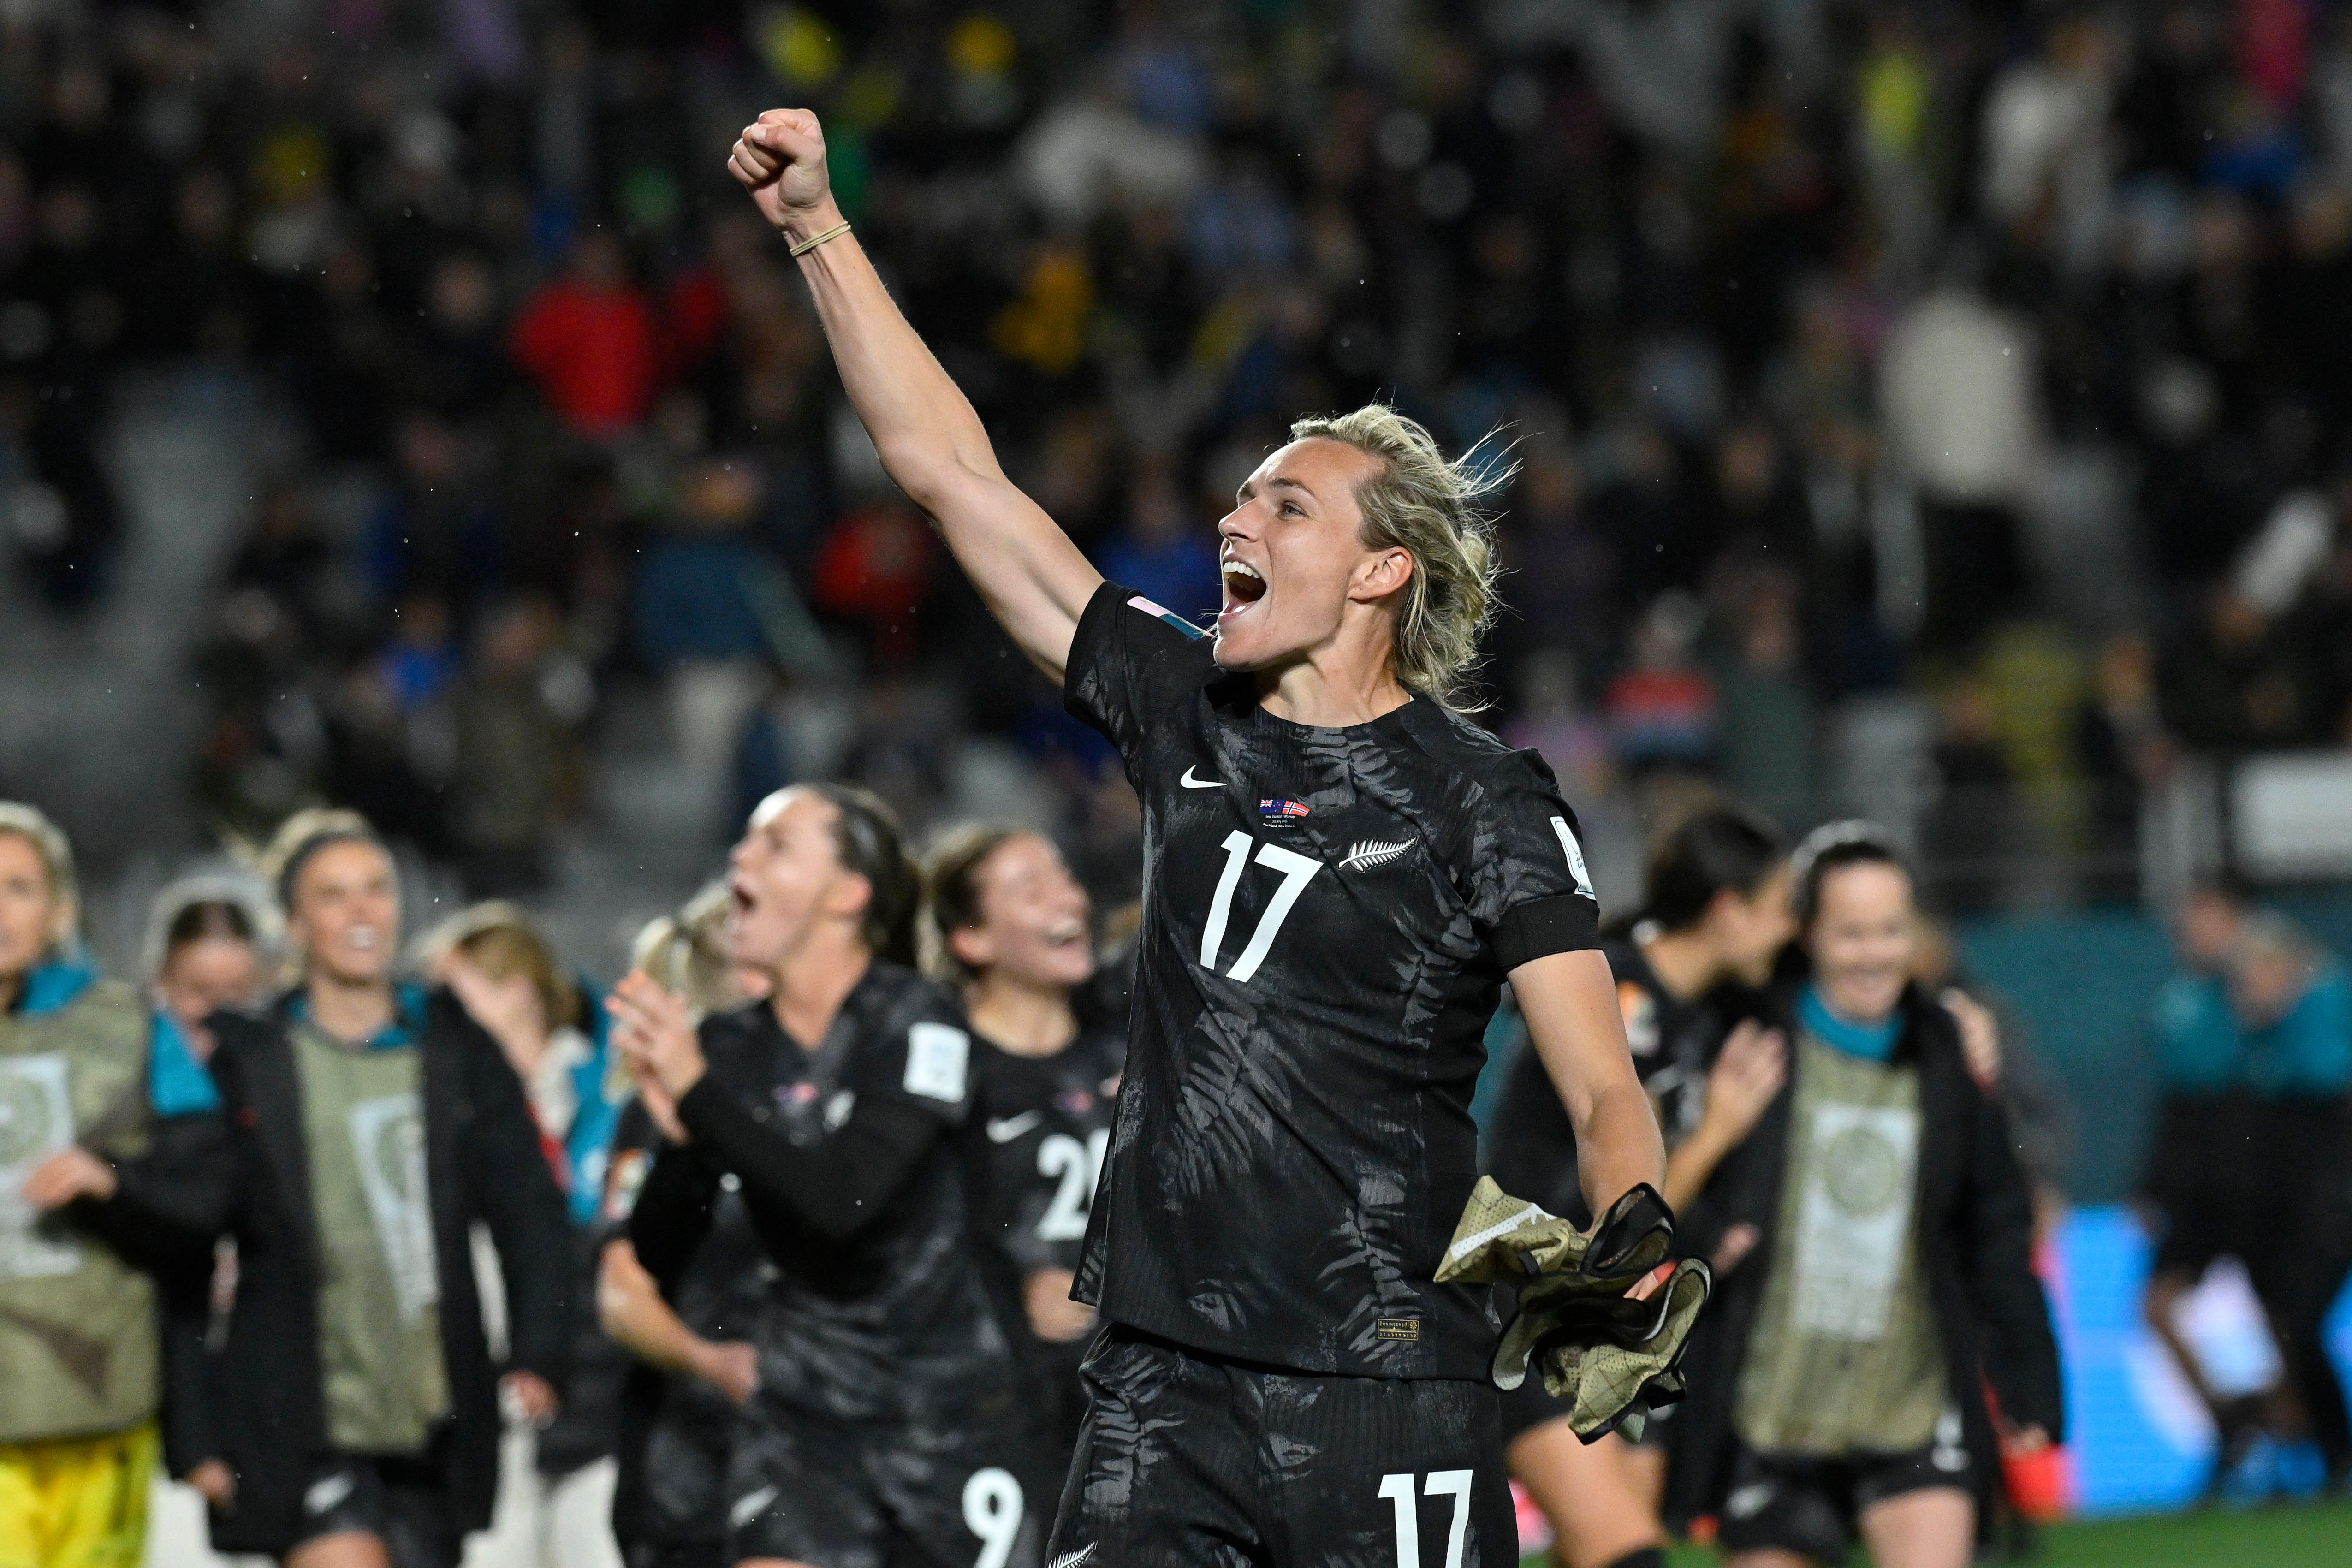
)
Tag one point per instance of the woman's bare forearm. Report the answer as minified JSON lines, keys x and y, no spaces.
{"x":923,"y":426}
{"x":1569,"y":1003}
{"x":1617,"y":1146}
{"x":933,"y":444}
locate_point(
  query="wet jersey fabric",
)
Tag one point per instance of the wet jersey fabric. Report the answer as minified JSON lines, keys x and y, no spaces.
{"x":892,"y":1319}
{"x":1327,"y":918}
{"x":1193,"y":1461}
{"x":675,"y":1432}
{"x":1036,"y":1142}
{"x":1043,"y":1128}
{"x":1531,"y":1150}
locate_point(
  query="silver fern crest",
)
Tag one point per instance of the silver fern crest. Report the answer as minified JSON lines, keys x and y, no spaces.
{"x":1369,"y":854}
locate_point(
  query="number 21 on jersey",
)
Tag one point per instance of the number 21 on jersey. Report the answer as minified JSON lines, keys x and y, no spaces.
{"x":1296,"y":870}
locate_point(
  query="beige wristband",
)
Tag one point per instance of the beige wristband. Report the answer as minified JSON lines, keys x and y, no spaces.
{"x":813,"y":241}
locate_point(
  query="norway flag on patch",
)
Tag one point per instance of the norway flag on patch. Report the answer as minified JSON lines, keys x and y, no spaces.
{"x":1280,"y":810}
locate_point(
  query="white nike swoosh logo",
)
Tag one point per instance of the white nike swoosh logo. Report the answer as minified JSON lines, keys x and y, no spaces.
{"x":1075,"y":1558}
{"x":747,"y":1509}
{"x":326,"y":1492}
{"x":1188,"y":782}
{"x":1011,"y":1127}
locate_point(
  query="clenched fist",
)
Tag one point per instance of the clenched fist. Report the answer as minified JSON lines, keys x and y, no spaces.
{"x":780,"y":159}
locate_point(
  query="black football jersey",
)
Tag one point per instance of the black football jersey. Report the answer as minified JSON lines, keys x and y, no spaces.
{"x":894,"y":1320}
{"x":1531,"y":1150}
{"x":1039,"y":1138}
{"x":1327,"y":918}
{"x":675,"y":1432}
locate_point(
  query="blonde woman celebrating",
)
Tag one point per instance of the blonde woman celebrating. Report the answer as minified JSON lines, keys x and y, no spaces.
{"x":1340,"y":872}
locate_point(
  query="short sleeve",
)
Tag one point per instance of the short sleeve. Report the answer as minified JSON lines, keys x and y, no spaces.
{"x":921,"y":1055}
{"x":1532,"y":896}
{"x":1128,"y":658}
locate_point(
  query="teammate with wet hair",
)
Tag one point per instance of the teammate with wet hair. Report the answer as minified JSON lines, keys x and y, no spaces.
{"x":888,"y":1406}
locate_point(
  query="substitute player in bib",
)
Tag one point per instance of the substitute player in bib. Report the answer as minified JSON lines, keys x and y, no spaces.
{"x":1340,"y":872}
{"x":113,"y":1176}
{"x":1716,"y":915}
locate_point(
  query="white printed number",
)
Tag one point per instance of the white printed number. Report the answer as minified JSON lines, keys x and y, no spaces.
{"x":1079,"y":1166}
{"x":1398,"y":1489}
{"x":1296,"y":870}
{"x":992,"y":1511}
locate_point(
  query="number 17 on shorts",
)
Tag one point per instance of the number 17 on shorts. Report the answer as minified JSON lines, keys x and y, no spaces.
{"x":1405,"y":1491}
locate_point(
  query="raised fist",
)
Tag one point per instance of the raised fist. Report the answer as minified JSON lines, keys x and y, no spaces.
{"x":780,"y":159}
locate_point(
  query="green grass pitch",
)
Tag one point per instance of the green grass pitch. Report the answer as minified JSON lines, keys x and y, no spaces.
{"x":2286,"y":1536}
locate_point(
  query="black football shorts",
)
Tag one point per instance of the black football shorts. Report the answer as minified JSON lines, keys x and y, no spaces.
{"x":962,"y":1492}
{"x":397,"y":1498}
{"x":1188,"y":1461}
{"x":1812,"y":1506}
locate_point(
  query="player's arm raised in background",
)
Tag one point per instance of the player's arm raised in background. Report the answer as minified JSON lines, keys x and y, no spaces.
{"x":1569,"y":1003}
{"x":1035,"y":580}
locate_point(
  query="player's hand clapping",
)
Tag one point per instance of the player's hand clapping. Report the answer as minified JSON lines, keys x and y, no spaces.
{"x":67,"y":1175}
{"x":531,"y":1397}
{"x":1750,"y":1069}
{"x":655,"y":1033}
{"x":780,"y":159}
{"x":1052,"y":1315}
{"x":1980,"y":1036}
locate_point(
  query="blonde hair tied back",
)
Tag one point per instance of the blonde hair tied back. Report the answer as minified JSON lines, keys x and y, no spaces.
{"x":1429,"y":506}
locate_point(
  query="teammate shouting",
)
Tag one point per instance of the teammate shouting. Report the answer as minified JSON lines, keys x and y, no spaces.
{"x":1340,"y":871}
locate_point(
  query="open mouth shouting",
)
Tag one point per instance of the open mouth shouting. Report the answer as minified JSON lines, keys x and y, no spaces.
{"x":1245,"y":587}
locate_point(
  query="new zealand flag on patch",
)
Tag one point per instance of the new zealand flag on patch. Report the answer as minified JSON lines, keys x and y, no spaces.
{"x":1280,"y":810}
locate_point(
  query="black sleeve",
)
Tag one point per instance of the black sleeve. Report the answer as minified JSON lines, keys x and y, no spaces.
{"x":191,"y":1434}
{"x":525,"y":1210}
{"x":1127,"y":658}
{"x":170,"y":1202}
{"x":670,"y":1213}
{"x":836,"y":1187}
{"x":1024,"y":1196}
{"x":2018,"y":1352}
{"x":1529,"y":890}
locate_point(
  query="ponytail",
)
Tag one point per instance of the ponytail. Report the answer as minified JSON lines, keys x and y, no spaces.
{"x":868,"y":839}
{"x":1721,"y":849}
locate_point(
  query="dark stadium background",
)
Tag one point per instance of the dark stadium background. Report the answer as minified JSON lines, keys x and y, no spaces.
{"x":1939,"y":411}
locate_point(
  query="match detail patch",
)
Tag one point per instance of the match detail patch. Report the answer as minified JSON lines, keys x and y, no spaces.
{"x":1403,"y":1329}
{"x":1575,"y":858}
{"x":937,"y":1057}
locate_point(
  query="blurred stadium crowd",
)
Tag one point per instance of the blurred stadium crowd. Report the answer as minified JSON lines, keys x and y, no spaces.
{"x":1991,"y":354}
